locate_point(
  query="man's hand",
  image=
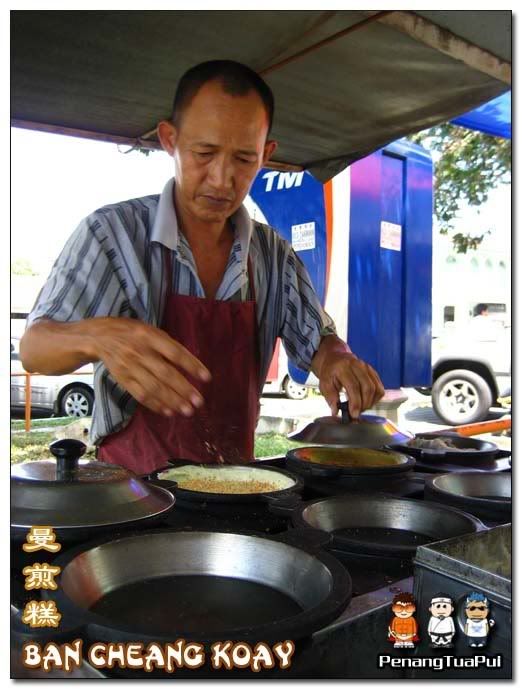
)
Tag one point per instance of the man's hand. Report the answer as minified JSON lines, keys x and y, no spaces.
{"x":143,"y":359}
{"x":149,"y":364}
{"x":338,"y":368}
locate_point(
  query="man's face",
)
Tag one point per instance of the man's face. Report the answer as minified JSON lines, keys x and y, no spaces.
{"x":218,"y":148}
{"x":403,"y":610}
{"x":477,"y":610}
{"x":441,"y":609}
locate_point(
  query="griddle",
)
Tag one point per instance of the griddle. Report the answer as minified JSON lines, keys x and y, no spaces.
{"x":369,"y":575}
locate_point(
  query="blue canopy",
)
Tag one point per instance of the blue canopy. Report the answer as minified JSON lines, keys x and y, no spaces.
{"x":494,"y":117}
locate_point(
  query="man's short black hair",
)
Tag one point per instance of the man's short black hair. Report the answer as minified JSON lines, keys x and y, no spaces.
{"x":237,"y":80}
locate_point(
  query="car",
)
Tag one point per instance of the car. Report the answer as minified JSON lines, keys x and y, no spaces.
{"x":471,"y":370}
{"x":286,"y":386}
{"x":67,"y":395}
{"x":278,"y":379}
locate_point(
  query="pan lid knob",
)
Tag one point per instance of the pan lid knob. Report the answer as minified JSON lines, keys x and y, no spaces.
{"x":345,"y":412}
{"x":67,"y":452}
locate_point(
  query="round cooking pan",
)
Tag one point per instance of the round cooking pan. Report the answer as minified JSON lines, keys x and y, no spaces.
{"x":347,"y":462}
{"x":374,"y":524}
{"x":468,"y":453}
{"x":407,"y":485}
{"x":82,"y":499}
{"x":487,"y":496}
{"x":205,"y":484}
{"x":204,"y":586}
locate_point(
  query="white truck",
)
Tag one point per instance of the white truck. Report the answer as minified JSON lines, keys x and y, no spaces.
{"x":471,"y":369}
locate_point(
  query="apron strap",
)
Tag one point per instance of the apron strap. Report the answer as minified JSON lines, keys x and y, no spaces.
{"x":251,"y":280}
{"x":167,"y":264}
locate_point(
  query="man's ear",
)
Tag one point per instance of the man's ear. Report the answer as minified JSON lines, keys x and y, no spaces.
{"x":268,"y":151}
{"x":167,"y":134}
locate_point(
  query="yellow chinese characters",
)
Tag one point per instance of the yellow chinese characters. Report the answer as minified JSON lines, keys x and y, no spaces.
{"x":41,"y":614}
{"x":41,"y":576}
{"x":41,"y":538}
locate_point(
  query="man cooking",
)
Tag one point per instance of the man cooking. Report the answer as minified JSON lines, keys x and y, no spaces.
{"x":178,"y":299}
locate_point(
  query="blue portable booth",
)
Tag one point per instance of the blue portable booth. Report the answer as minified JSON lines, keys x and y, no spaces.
{"x":366,"y":241}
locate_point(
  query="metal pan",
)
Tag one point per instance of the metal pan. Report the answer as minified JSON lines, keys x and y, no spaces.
{"x":377,"y":524}
{"x":469,"y":454}
{"x":334,"y":462}
{"x":204,"y":586}
{"x":406,"y":485}
{"x":210,"y":483}
{"x":464,"y":448}
{"x":487,"y":496}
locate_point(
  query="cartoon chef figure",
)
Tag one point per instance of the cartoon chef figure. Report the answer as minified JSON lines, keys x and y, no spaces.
{"x":477,"y":625}
{"x":402,"y":631}
{"x":441,"y":627}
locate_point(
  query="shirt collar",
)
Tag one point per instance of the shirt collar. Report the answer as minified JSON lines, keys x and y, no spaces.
{"x":165,"y":229}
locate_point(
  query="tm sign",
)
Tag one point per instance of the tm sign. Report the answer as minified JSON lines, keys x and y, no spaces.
{"x":285,"y":180}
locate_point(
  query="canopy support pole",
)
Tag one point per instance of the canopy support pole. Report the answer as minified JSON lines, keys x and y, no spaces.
{"x":312,"y":48}
{"x":330,"y":39}
{"x":448,"y":43}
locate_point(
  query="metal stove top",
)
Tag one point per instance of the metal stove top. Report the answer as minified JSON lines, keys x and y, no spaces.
{"x":375,"y":582}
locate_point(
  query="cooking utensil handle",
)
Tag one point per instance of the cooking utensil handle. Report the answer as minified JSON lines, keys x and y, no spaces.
{"x":67,"y":452}
{"x":477,"y":428}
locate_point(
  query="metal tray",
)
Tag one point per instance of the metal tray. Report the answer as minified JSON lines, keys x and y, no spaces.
{"x":477,"y":562}
{"x":481,"y":559}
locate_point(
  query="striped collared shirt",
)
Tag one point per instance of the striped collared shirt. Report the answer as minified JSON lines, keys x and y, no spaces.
{"x":113,"y":265}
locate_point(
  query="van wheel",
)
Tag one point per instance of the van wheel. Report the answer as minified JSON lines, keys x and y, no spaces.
{"x":293,"y":390}
{"x":461,"y":397}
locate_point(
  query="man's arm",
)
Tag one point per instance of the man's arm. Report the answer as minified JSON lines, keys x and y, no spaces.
{"x":78,"y":319}
{"x":143,"y":359}
{"x":309,"y":337}
{"x":338,"y":368}
{"x":54,"y":348}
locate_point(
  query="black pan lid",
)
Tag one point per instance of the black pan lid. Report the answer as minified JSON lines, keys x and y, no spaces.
{"x":342,"y":431}
{"x":68,"y":493}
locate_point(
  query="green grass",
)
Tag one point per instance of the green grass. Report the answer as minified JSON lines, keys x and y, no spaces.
{"x":35,"y":445}
{"x":270,"y":444}
{"x":30,"y":446}
{"x":19,"y":424}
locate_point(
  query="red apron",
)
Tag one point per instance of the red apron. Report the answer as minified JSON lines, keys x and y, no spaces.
{"x":223,"y":336}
